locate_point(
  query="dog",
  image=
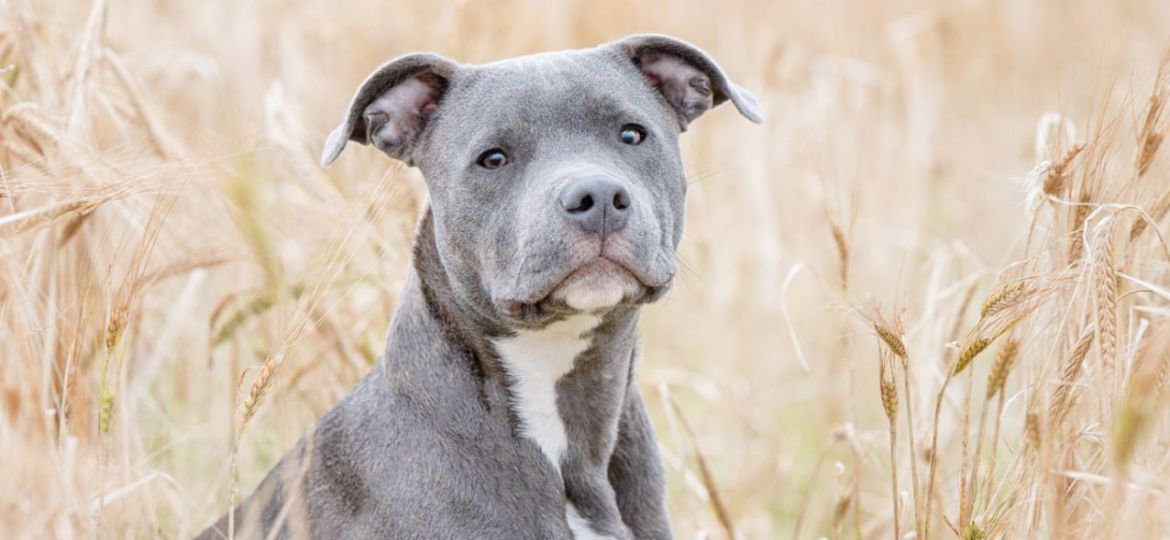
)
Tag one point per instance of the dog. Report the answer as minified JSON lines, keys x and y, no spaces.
{"x":504,"y":405}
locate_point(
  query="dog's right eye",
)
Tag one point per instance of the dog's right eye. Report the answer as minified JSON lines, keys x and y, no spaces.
{"x":492,"y":159}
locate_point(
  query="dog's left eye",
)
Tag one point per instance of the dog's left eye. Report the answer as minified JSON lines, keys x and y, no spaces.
{"x":492,"y":159}
{"x":632,"y":134}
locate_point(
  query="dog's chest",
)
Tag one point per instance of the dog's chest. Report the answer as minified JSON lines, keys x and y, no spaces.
{"x":535,"y":361}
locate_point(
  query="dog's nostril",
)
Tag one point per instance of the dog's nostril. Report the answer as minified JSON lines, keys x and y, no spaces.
{"x":582,"y":205}
{"x":621,"y":200}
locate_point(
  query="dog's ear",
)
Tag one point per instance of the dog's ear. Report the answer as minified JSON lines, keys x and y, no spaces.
{"x":689,"y":79}
{"x":391,"y":108}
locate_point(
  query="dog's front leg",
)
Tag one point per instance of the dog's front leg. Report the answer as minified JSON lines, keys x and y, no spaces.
{"x":635,"y":472}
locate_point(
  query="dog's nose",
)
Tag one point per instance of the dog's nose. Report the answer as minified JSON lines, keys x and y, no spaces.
{"x":598,"y":204}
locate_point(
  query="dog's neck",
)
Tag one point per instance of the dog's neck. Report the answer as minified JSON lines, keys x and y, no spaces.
{"x":566,"y":382}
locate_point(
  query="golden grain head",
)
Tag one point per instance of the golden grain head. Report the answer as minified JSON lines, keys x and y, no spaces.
{"x":842,"y":245}
{"x":968,"y":353}
{"x":1151,"y":133}
{"x":1032,"y":429}
{"x":892,"y":340}
{"x":889,"y":333}
{"x":1005,"y":359}
{"x":888,"y":385}
{"x":1105,"y":284}
{"x":256,"y":392}
{"x":1070,"y":371}
{"x":1004,"y":297}
{"x":1055,"y":181}
{"x":1148,"y":149}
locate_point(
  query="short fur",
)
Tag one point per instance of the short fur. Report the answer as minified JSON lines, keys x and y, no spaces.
{"x":433,"y":442}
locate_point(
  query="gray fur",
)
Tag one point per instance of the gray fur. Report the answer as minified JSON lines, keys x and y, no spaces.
{"x":427,"y":445}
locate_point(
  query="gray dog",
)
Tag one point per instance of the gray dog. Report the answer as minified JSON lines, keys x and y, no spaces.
{"x":505,"y":406}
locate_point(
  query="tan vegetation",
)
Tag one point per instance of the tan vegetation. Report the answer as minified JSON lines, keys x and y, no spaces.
{"x":941,"y":197}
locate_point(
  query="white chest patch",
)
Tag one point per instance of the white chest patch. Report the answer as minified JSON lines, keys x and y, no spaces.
{"x":535,"y":361}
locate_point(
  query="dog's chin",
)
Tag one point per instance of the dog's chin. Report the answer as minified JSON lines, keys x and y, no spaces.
{"x":593,"y":287}
{"x":597,"y":285}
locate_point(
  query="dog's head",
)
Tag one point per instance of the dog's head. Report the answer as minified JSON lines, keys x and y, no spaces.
{"x":556,"y":182}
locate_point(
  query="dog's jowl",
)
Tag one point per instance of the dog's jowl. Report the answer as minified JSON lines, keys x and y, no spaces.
{"x":504,"y":405}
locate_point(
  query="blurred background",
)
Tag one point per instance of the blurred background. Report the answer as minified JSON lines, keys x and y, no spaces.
{"x":181,"y":283}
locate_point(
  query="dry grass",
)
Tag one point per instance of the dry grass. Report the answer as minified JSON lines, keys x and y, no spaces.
{"x":183,"y":290}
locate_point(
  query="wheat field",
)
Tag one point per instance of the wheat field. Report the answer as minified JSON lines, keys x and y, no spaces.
{"x":928,"y":298}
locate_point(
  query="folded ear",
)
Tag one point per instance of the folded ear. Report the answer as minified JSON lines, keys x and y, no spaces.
{"x":391,"y":108}
{"x":689,"y":79}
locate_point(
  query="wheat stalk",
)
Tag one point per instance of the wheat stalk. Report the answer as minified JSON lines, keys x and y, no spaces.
{"x":891,"y":335}
{"x":965,"y":457}
{"x":717,"y":504}
{"x":1005,"y":359}
{"x":889,"y":393}
{"x":1000,"y":313}
{"x":912,"y":443}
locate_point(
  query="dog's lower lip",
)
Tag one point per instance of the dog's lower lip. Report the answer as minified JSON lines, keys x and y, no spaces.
{"x":600,"y":264}
{"x":515,"y":304}
{"x":532,"y":307}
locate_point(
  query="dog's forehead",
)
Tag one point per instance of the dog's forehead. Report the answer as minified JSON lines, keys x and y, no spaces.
{"x":542,"y":84}
{"x":557,"y":69}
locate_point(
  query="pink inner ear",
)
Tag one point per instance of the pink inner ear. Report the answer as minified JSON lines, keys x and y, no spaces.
{"x":658,"y":67}
{"x":405,"y":106}
{"x":677,"y":81}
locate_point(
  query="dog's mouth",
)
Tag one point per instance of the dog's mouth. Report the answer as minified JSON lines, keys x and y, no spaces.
{"x":598,"y":284}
